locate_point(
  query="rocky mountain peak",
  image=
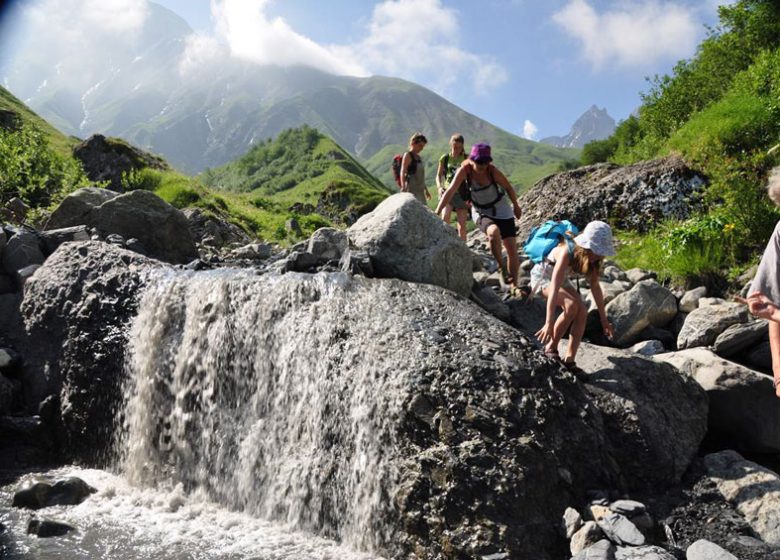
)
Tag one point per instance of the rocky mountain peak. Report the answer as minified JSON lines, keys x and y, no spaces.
{"x":593,"y":124}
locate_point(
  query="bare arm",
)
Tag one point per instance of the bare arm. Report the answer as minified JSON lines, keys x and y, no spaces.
{"x":440,"y":172}
{"x":445,"y":199}
{"x":561,"y":256}
{"x":774,"y":346}
{"x":598,"y":298}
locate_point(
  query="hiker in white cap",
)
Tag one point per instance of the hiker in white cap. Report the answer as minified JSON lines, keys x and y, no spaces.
{"x":550,"y":278}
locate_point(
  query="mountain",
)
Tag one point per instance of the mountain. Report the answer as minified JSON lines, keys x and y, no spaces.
{"x":207,"y":114}
{"x":593,"y":124}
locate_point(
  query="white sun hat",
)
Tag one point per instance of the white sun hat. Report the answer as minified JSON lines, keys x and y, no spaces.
{"x":597,"y":237}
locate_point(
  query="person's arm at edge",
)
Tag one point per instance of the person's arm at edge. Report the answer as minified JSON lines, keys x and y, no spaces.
{"x":501,"y":179}
{"x":598,"y":298}
{"x":445,"y":199}
{"x":404,"y":174}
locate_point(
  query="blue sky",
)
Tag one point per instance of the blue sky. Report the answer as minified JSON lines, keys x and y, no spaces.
{"x":529,"y":66}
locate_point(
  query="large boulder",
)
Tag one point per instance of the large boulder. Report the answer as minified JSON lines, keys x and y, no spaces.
{"x":76,"y":311}
{"x":22,"y":251}
{"x":214,"y":231}
{"x":405,"y":240}
{"x":646,"y":304}
{"x":108,"y":159}
{"x":633,"y":197}
{"x":740,"y":336}
{"x":654,"y":417}
{"x":753,"y":490}
{"x":703,"y":325}
{"x":77,"y":207}
{"x":744,"y":412}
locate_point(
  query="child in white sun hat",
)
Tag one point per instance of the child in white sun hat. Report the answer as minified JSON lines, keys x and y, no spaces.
{"x":550,"y":278}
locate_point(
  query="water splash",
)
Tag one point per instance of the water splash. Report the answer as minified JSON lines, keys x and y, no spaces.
{"x":258,"y":392}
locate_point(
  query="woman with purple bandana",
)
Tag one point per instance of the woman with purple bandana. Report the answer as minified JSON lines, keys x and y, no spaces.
{"x":494,"y":206}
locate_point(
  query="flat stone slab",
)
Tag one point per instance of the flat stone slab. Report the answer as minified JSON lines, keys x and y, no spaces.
{"x":706,"y":550}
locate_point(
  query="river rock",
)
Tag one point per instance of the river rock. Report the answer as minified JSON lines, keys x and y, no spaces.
{"x":703,"y":325}
{"x":620,"y":530}
{"x":89,"y":288}
{"x":753,"y":490}
{"x":587,"y":535}
{"x":602,"y":550}
{"x":632,"y":197}
{"x":690,"y":299}
{"x":739,"y":337}
{"x":328,"y":244}
{"x":23,"y":249}
{"x":406,"y":240}
{"x":706,"y":550}
{"x":636,"y":275}
{"x":42,"y":493}
{"x":711,"y":301}
{"x":654,"y":443}
{"x":214,"y":231}
{"x":648,"y":347}
{"x":572,"y":522}
{"x":647,"y":303}
{"x":76,"y":208}
{"x":743,"y":406}
{"x":252,"y":251}
{"x":45,"y":528}
{"x":629,"y":508}
{"x":53,"y":238}
{"x":642,"y":553}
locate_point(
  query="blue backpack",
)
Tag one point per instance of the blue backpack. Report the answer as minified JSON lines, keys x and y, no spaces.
{"x":546,"y":237}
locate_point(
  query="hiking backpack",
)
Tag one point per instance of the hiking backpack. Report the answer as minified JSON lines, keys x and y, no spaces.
{"x":467,"y":193}
{"x":396,"y":167}
{"x":546,"y":237}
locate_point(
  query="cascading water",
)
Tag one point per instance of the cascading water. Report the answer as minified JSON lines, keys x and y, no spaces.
{"x":267,"y":395}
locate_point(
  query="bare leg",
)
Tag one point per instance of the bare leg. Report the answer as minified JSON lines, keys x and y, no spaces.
{"x":510,"y":244}
{"x":463,"y":218}
{"x":446,"y":213}
{"x":774,"y":347}
{"x":494,"y":238}
{"x":577,"y":328}
{"x":566,"y":300}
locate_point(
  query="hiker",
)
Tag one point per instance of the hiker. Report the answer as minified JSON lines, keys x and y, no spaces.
{"x":490,"y":193}
{"x":449,"y":164}
{"x":764,"y":298}
{"x":582,"y":255}
{"x":412,"y":169}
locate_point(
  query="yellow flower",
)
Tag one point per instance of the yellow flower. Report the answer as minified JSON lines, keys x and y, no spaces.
{"x":728,"y":228}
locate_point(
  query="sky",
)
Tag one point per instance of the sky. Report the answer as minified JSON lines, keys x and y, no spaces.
{"x":531,"y":67}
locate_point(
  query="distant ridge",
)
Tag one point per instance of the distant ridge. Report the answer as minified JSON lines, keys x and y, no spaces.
{"x":593,"y":124}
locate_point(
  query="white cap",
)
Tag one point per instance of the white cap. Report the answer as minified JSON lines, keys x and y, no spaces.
{"x":597,"y":237}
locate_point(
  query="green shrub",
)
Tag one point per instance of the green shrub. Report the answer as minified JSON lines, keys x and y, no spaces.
{"x":146,"y":179}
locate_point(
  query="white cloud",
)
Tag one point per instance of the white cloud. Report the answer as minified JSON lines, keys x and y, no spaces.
{"x":400,"y":40}
{"x":530,"y":130}
{"x":633,"y":34}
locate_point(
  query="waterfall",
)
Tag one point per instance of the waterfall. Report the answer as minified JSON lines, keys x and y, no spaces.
{"x":268,"y":395}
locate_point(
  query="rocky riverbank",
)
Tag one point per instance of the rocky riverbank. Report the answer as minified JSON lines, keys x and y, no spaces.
{"x":484,"y":441}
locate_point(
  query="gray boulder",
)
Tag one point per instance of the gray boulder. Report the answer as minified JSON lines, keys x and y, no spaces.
{"x":602,"y":550}
{"x":642,"y":553}
{"x":647,"y":303}
{"x":703,"y":325}
{"x":43,"y":493}
{"x":214,"y":231}
{"x":22,"y":250}
{"x":252,"y":251}
{"x":46,"y":528}
{"x":648,"y":347}
{"x":654,"y":417}
{"x":753,"y":490}
{"x":706,"y":550}
{"x":586,"y":536}
{"x":739,"y":337}
{"x":572,"y":522}
{"x":406,"y":240}
{"x":690,"y":299}
{"x":629,"y":508}
{"x":328,"y":244}
{"x":619,"y":529}
{"x":760,"y":357}
{"x":162,"y":229}
{"x":488,"y":300}
{"x":743,"y":406}
{"x":76,"y":208}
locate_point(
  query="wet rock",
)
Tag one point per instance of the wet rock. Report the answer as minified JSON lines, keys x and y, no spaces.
{"x":407,"y":241}
{"x":588,"y":535}
{"x":752,"y":489}
{"x":40,"y":494}
{"x":602,"y":550}
{"x":301,"y":261}
{"x":619,"y":529}
{"x":572,"y":522}
{"x":90,"y":288}
{"x":75,"y":209}
{"x":214,"y":231}
{"x":46,"y":528}
{"x":690,"y":299}
{"x":252,"y":251}
{"x":652,"y":444}
{"x":743,"y":407}
{"x":24,"y":442}
{"x":703,"y":325}
{"x":647,"y":303}
{"x":328,"y":244}
{"x":55,"y":237}
{"x":642,"y":553}
{"x":706,"y":550}
{"x":739,"y":337}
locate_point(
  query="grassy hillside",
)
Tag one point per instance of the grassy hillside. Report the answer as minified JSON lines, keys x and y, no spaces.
{"x":720,"y":110}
